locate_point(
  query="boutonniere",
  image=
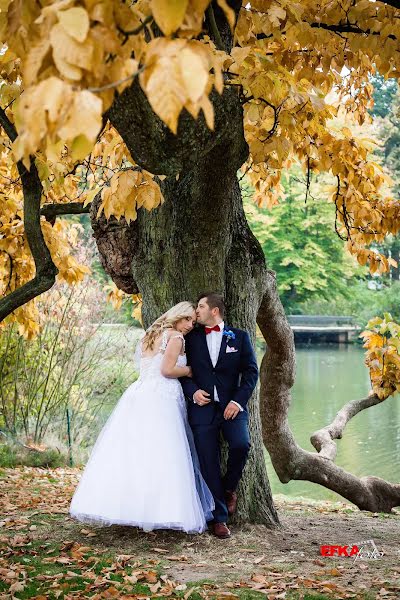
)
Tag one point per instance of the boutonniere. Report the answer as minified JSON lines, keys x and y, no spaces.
{"x":229,"y":334}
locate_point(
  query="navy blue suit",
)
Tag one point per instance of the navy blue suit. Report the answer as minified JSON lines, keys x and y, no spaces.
{"x":235,"y":377}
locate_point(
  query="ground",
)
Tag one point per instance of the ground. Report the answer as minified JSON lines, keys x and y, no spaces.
{"x":46,"y":554}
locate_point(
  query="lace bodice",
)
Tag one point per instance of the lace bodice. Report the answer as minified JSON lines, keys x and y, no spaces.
{"x":151,"y":365}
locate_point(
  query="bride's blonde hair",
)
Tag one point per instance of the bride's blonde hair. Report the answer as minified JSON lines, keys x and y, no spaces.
{"x":167,"y":321}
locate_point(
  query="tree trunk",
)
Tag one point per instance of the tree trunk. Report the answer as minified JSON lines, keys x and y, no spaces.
{"x":197,"y":240}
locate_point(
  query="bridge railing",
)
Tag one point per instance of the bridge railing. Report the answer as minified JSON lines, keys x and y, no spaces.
{"x":321,"y":320}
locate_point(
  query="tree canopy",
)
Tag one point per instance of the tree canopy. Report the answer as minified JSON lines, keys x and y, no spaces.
{"x":64,"y":62}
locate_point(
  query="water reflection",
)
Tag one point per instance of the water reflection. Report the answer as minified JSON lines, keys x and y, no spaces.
{"x":327,"y":378}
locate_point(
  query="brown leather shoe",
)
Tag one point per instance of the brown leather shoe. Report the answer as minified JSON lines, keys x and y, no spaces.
{"x":231,"y":501}
{"x":221,"y":531}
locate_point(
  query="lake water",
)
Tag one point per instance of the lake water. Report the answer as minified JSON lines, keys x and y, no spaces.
{"x":327,"y":378}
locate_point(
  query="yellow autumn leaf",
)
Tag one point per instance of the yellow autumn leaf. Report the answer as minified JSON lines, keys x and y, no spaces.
{"x":69,"y":55}
{"x":34,"y":60}
{"x":169,"y":14}
{"x":165,"y":90}
{"x":208,"y":110}
{"x":194,"y":73}
{"x":37,"y":113}
{"x":193,"y":21}
{"x":148,"y":195}
{"x":115,"y":296}
{"x":137,"y":312}
{"x":80,"y":147}
{"x":83,"y":117}
{"x":75,"y":21}
{"x":90,"y":195}
{"x":276,"y":15}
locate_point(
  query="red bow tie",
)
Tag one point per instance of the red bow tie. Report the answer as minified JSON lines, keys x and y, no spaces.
{"x":210,"y":329}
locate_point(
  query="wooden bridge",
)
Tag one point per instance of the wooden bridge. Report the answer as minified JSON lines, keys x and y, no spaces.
{"x":323,"y":328}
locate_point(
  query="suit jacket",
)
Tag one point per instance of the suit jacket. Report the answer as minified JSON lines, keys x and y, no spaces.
{"x":234,"y":375}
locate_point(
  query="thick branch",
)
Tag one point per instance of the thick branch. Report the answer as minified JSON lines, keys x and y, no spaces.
{"x":46,"y":270}
{"x":288,"y":458}
{"x":152,"y":144}
{"x":322,"y":440}
{"x":7,"y":125}
{"x":51,"y":211}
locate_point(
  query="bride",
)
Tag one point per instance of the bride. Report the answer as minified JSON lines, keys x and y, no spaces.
{"x":143,"y":470}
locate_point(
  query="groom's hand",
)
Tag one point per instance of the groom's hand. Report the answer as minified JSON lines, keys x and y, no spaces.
{"x":200,"y":397}
{"x":231,"y":411}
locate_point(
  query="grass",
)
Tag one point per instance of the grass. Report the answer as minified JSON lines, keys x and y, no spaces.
{"x":13,"y":455}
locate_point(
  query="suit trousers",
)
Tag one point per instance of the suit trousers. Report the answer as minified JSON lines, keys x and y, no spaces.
{"x":207,"y":440}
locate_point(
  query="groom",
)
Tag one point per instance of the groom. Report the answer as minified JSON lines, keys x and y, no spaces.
{"x":224,"y":376}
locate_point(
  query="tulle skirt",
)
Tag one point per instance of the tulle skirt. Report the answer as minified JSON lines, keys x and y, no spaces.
{"x":144,"y":470}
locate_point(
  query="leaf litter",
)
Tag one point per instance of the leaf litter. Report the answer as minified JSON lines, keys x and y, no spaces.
{"x":45,"y":554}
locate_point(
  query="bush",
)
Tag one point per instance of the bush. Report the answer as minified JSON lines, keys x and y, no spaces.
{"x":14,"y":455}
{"x":74,"y":363}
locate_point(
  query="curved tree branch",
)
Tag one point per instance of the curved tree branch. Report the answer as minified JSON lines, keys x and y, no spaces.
{"x":288,"y":458}
{"x":322,"y":440}
{"x":137,"y":29}
{"x":8,"y":127}
{"x":46,"y":270}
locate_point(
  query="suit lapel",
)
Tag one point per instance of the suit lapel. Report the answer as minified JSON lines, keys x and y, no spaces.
{"x":222,"y":349}
{"x":203,"y":338}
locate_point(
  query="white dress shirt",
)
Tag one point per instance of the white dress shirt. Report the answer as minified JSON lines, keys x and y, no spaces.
{"x":214,"y":340}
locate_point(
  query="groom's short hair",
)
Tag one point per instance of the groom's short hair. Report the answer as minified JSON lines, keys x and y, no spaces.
{"x":214,"y":300}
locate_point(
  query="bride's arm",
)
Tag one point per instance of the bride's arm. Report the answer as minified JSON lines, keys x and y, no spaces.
{"x":168,"y":365}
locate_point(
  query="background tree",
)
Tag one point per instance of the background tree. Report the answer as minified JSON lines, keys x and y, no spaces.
{"x":297,"y":238}
{"x":157,"y":105}
{"x":383,"y":94}
{"x":387,"y":106}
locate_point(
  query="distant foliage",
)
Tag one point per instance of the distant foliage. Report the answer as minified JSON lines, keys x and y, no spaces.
{"x":68,"y":365}
{"x":383,"y":94}
{"x":299,"y":243}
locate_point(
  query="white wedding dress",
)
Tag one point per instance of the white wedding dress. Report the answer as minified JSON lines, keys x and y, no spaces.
{"x":143,"y":470}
